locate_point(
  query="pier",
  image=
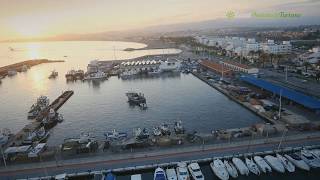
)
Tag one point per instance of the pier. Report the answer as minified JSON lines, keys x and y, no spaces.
{"x":36,"y":123}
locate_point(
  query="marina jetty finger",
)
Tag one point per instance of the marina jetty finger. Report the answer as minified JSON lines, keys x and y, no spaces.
{"x":24,"y":65}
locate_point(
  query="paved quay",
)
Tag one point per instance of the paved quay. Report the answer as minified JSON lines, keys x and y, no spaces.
{"x":106,"y":161}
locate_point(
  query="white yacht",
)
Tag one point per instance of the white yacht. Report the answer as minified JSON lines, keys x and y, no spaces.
{"x":262,"y":164}
{"x":195,"y":171}
{"x":252,"y":166}
{"x":182,"y":171}
{"x":275,"y":163}
{"x":297,"y":161}
{"x":159,"y":174}
{"x":287,"y":164}
{"x":231,"y":169}
{"x":136,"y":177}
{"x":219,"y":169}
{"x":96,"y":76}
{"x":169,"y":65}
{"x":310,"y":159}
{"x":171,"y":174}
{"x":115,"y":135}
{"x":242,"y":168}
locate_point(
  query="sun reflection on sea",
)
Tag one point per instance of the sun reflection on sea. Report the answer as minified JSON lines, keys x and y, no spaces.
{"x":38,"y":82}
{"x":33,"y":50}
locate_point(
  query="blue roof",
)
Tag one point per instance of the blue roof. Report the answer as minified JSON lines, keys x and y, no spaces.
{"x":307,"y":101}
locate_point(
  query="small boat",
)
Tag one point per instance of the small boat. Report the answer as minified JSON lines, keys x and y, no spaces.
{"x":297,"y":161}
{"x":262,"y":164}
{"x":219,"y":169}
{"x":159,"y":174}
{"x":195,"y":171}
{"x":252,"y":166}
{"x":24,"y":68}
{"x":12,"y":72}
{"x":115,"y":135}
{"x":53,"y":74}
{"x":316,"y":153}
{"x":231,"y":169}
{"x":157,"y":131}
{"x":136,"y":177}
{"x":178,"y":128}
{"x":96,"y":76}
{"x":164,"y":128}
{"x":287,"y":164}
{"x":310,"y":159}
{"x":182,"y":171}
{"x":141,"y":134}
{"x":242,"y":168}
{"x":70,"y":76}
{"x":275,"y":163}
{"x":171,"y":174}
{"x":136,"y":98}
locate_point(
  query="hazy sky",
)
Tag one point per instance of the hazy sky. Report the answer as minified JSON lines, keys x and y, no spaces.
{"x":39,"y":18}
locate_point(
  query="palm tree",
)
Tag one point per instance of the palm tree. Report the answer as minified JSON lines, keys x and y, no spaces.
{"x":306,"y":64}
{"x":263,"y":58}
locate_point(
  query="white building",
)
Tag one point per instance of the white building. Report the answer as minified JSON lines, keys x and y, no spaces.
{"x":240,"y":67}
{"x":312,"y":57}
{"x":271,"y":47}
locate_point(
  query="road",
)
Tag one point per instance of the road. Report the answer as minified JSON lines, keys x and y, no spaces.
{"x":172,"y":155}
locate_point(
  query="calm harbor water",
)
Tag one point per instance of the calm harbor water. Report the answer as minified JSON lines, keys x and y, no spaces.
{"x":102,"y":106}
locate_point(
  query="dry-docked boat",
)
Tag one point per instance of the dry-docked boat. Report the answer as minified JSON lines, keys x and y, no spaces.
{"x":297,"y":161}
{"x":275,"y":163}
{"x":231,"y":169}
{"x":262,"y":164}
{"x":53,"y":74}
{"x":219,"y":169}
{"x":252,"y":166}
{"x":242,"y":168}
{"x":287,"y":164}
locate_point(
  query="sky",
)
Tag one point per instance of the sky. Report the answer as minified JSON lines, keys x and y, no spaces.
{"x":45,"y":18}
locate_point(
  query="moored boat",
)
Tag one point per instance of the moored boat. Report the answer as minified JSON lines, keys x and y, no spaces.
{"x":53,"y":74}
{"x":115,"y":135}
{"x":159,"y":174}
{"x":287,"y":164}
{"x":141,"y":133}
{"x":219,"y":169}
{"x":242,"y":168}
{"x":231,"y":169}
{"x":262,"y":164}
{"x":164,"y":128}
{"x":178,"y":128}
{"x":297,"y":161}
{"x":157,"y":131}
{"x":310,"y":159}
{"x":182,"y":171}
{"x":195,"y":171}
{"x":275,"y":163}
{"x":252,"y":166}
{"x":171,"y":174}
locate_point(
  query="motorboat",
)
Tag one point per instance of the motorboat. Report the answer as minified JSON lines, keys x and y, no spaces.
{"x":115,"y":135}
{"x":12,"y":72}
{"x":242,"y":168}
{"x":141,"y":133}
{"x":79,"y":74}
{"x":182,"y":171}
{"x":136,"y":98}
{"x":136,"y":177}
{"x":297,"y":161}
{"x":310,"y":159}
{"x":157,"y":131}
{"x":287,"y":164}
{"x":96,"y":76}
{"x":178,"y":128}
{"x":219,"y":169}
{"x":195,"y":171}
{"x":159,"y":174}
{"x":231,"y":169}
{"x":252,"y":166}
{"x":171,"y":174}
{"x":262,"y":164}
{"x":275,"y":163}
{"x":70,"y":76}
{"x":165,"y":129}
{"x":53,"y":74}
{"x":169,"y":66}
{"x":316,"y":152}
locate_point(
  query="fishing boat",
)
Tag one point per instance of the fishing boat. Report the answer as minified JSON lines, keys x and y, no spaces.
{"x":195,"y":171}
{"x":275,"y":163}
{"x":96,"y":76}
{"x":141,"y":133}
{"x":219,"y":169}
{"x":37,"y":108}
{"x":231,"y":169}
{"x":182,"y":171}
{"x":136,"y":98}
{"x":242,"y":168}
{"x":310,"y":159}
{"x":262,"y":164}
{"x":136,"y":177}
{"x":164,"y":128}
{"x":159,"y":174}
{"x":178,"y":128}
{"x":157,"y":131}
{"x":252,"y":166}
{"x":70,"y":76}
{"x":171,"y":174}
{"x":297,"y":161}
{"x":79,"y":74}
{"x":115,"y":135}
{"x":12,"y":72}
{"x":287,"y":164}
{"x":169,"y":65}
{"x":53,"y":74}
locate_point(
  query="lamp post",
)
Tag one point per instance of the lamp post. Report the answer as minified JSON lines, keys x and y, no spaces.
{"x":3,"y":157}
